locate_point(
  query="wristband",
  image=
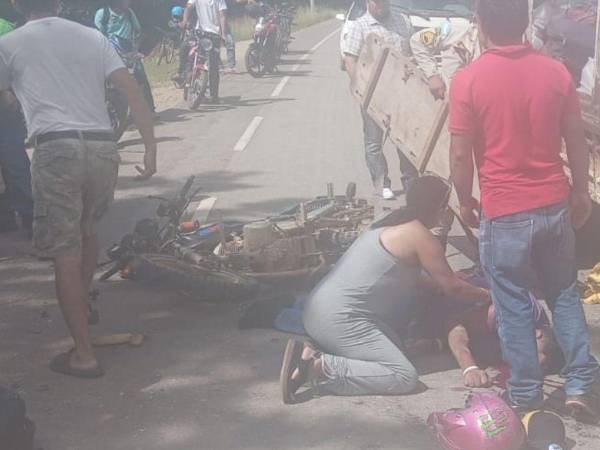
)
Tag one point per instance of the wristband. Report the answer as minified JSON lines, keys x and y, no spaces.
{"x":470,"y":369}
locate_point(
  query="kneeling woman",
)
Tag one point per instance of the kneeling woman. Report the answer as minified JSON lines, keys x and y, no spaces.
{"x":380,"y":276}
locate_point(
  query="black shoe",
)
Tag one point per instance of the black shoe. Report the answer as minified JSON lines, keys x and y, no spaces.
{"x":584,"y":408}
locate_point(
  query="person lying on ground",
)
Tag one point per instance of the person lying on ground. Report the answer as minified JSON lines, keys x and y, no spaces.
{"x":381,"y":272}
{"x":471,"y":335}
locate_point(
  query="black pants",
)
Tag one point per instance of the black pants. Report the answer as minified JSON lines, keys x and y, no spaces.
{"x":214,"y":59}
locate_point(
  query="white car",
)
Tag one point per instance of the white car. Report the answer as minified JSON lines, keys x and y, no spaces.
{"x":418,"y":13}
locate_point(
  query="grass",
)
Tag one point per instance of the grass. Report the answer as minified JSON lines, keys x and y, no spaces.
{"x":242,"y":29}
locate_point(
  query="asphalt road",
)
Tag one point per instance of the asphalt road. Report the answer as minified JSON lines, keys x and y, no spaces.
{"x":198,"y":382}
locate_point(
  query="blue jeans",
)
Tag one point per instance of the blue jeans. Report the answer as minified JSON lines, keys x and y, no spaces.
{"x":376,"y":162}
{"x":520,"y":252}
{"x":230,"y":47}
{"x":14,"y":164}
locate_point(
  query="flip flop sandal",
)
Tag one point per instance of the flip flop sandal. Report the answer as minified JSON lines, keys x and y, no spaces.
{"x":292,"y":361}
{"x":62,"y":364}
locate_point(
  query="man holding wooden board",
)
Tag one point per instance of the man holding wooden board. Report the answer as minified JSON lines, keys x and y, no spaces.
{"x":379,"y":20}
{"x":511,"y":109}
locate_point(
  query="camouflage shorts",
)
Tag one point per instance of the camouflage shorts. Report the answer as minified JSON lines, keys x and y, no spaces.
{"x":73,"y":184}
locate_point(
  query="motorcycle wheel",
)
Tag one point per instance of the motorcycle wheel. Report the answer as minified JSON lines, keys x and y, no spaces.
{"x":254,"y":65}
{"x":197,"y":91}
{"x":204,"y":283}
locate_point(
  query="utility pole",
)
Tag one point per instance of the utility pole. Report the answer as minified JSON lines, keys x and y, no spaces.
{"x":312,"y":6}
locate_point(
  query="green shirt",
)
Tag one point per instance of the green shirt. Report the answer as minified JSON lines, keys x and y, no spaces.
{"x":5,"y":26}
{"x":125,"y":26}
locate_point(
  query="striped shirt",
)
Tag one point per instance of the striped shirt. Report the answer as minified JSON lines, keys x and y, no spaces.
{"x":394,"y":31}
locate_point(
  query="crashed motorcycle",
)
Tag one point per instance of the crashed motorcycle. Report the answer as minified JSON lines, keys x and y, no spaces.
{"x":233,"y":260}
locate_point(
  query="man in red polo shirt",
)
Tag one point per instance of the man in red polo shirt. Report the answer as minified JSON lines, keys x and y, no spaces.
{"x":511,"y":109}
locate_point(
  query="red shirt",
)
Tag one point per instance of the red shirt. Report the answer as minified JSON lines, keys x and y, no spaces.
{"x":511,"y":101}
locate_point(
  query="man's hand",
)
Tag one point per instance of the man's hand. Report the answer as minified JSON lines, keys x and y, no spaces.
{"x":581,"y":208}
{"x":142,"y":117}
{"x":149,"y":168}
{"x":477,"y":378}
{"x":437,"y":87}
{"x":469,"y":213}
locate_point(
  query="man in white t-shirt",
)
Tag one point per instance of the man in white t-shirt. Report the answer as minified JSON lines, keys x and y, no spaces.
{"x":57,"y":70}
{"x":211,"y":17}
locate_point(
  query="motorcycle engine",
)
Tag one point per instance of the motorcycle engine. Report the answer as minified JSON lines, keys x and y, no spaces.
{"x":264,"y":250}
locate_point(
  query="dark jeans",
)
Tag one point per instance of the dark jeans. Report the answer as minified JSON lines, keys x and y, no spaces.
{"x":521,"y":252}
{"x":376,"y":162}
{"x":14,"y":164}
{"x":214,"y":61}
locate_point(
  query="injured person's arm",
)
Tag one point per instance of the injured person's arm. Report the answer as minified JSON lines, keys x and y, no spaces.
{"x":473,"y":375}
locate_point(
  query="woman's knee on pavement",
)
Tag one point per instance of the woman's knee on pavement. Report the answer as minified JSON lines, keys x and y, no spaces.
{"x":406,"y":379}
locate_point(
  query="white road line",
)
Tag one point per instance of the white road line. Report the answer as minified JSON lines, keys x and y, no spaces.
{"x":204,"y":208}
{"x":247,"y":136}
{"x":321,"y":42}
{"x":280,"y":86}
{"x":277,"y":91}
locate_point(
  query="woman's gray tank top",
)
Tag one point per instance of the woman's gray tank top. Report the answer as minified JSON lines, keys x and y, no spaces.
{"x":367,"y":279}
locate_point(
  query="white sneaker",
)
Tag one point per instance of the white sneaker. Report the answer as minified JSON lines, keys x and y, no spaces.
{"x":388,"y":194}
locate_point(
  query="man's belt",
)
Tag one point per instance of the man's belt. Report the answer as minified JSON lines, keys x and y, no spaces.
{"x":73,"y":134}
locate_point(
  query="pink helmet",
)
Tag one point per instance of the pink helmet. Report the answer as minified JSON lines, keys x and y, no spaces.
{"x":486,"y":423}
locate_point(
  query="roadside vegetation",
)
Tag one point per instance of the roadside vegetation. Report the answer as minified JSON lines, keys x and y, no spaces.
{"x":242,"y":29}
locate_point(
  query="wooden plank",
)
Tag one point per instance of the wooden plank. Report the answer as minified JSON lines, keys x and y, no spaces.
{"x":370,"y":60}
{"x":434,"y":134}
{"x":401,"y":103}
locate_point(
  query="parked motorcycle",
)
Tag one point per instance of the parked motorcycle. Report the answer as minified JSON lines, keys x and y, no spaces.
{"x":262,"y":54}
{"x":196,"y":79}
{"x":116,"y":103}
{"x":232,"y":260}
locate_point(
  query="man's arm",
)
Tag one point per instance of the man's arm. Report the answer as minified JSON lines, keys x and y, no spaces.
{"x":458,"y":341}
{"x":223,"y":18}
{"x":223,"y":21}
{"x":188,"y":15}
{"x":433,"y":260}
{"x":142,"y":116}
{"x":579,"y":162}
{"x":350,"y":64}
{"x":424,"y":49}
{"x":461,"y":174}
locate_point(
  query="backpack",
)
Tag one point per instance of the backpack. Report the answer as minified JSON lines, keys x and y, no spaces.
{"x":16,"y":430}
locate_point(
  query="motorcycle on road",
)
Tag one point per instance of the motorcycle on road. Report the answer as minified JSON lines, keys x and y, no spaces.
{"x":234,"y":260}
{"x":196,"y":82}
{"x":262,"y":54}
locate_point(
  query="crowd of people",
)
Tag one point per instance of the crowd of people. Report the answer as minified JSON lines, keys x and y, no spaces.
{"x":510,"y":110}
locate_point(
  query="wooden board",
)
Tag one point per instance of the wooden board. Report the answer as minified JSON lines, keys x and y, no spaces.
{"x":397,"y":105}
{"x":398,"y":99}
{"x":371,"y":59}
